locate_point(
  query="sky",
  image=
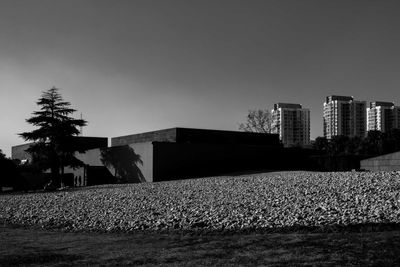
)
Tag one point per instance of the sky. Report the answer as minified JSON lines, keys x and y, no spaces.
{"x":131,"y":66}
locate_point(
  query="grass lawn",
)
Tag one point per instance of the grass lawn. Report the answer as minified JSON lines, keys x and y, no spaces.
{"x":27,"y":246}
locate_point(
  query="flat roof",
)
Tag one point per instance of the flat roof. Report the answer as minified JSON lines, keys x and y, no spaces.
{"x":193,"y":135}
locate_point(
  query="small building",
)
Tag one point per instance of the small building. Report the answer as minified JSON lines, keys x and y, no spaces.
{"x":388,"y":162}
{"x":19,"y":152}
{"x":75,"y":177}
{"x":180,"y":153}
{"x":175,"y":153}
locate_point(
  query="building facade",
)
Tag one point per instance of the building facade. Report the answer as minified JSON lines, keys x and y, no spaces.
{"x":72,"y":176}
{"x":19,"y":152}
{"x":382,"y":116}
{"x":180,"y":153}
{"x":387,"y":162}
{"x":292,"y":123}
{"x":344,"y":116}
{"x":396,"y":117}
{"x":175,"y":153}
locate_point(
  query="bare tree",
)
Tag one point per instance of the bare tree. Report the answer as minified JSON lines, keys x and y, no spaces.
{"x":258,"y":121}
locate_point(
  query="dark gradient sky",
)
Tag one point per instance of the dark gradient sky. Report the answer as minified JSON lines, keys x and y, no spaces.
{"x":134,"y":66}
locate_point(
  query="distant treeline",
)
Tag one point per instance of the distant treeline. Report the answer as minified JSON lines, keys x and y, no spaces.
{"x":374,"y":144}
{"x":343,"y":153}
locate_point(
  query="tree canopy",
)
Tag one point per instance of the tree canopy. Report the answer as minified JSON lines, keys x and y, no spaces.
{"x":375,"y":143}
{"x":258,"y":121}
{"x":53,"y":146}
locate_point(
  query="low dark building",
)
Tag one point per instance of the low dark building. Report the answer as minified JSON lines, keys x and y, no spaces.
{"x":19,"y":152}
{"x":180,"y":153}
{"x":73,"y":177}
{"x":80,"y":142}
{"x":388,"y":162}
{"x":199,"y":136}
{"x":175,"y":153}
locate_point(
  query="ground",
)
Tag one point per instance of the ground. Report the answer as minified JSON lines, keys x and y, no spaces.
{"x":274,"y":219}
{"x":37,"y":247}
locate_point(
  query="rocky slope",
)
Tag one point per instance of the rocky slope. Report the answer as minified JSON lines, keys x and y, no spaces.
{"x":272,"y":200}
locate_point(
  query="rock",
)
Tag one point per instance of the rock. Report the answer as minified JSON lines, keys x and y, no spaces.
{"x":280,"y":200}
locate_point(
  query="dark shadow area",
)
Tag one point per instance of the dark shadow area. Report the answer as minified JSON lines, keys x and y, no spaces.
{"x":97,"y":175}
{"x":181,"y":161}
{"x":68,"y":179}
{"x":343,"y":153}
{"x":199,"y":136}
{"x":335,"y":163}
{"x":248,"y":172}
{"x":8,"y":173}
{"x":18,"y":177}
{"x":37,"y":258}
{"x":252,"y":248}
{"x":124,"y":161}
{"x":199,"y":231}
{"x":296,"y":229}
{"x":110,"y":186}
{"x":315,"y":160}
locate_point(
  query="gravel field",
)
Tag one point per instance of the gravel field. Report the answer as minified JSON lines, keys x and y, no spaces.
{"x":268,"y":200}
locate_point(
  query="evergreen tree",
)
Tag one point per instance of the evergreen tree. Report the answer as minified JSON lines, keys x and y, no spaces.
{"x":53,"y":146}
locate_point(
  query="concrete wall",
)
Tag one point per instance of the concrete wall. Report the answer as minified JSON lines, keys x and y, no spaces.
{"x":88,"y":142}
{"x":18,"y":152}
{"x":79,"y":175}
{"x":198,"y":136}
{"x":95,"y":172}
{"x":181,"y":161}
{"x":205,"y":136}
{"x":167,"y":135}
{"x":144,"y":152}
{"x":161,"y":161}
{"x":90,"y":157}
{"x":183,"y":153}
{"x":388,"y":162}
{"x":80,"y":143}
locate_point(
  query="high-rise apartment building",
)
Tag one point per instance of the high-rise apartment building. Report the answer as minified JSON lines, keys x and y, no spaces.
{"x":396,"y":117}
{"x":382,"y":116}
{"x":344,"y":116}
{"x":292,"y":123}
